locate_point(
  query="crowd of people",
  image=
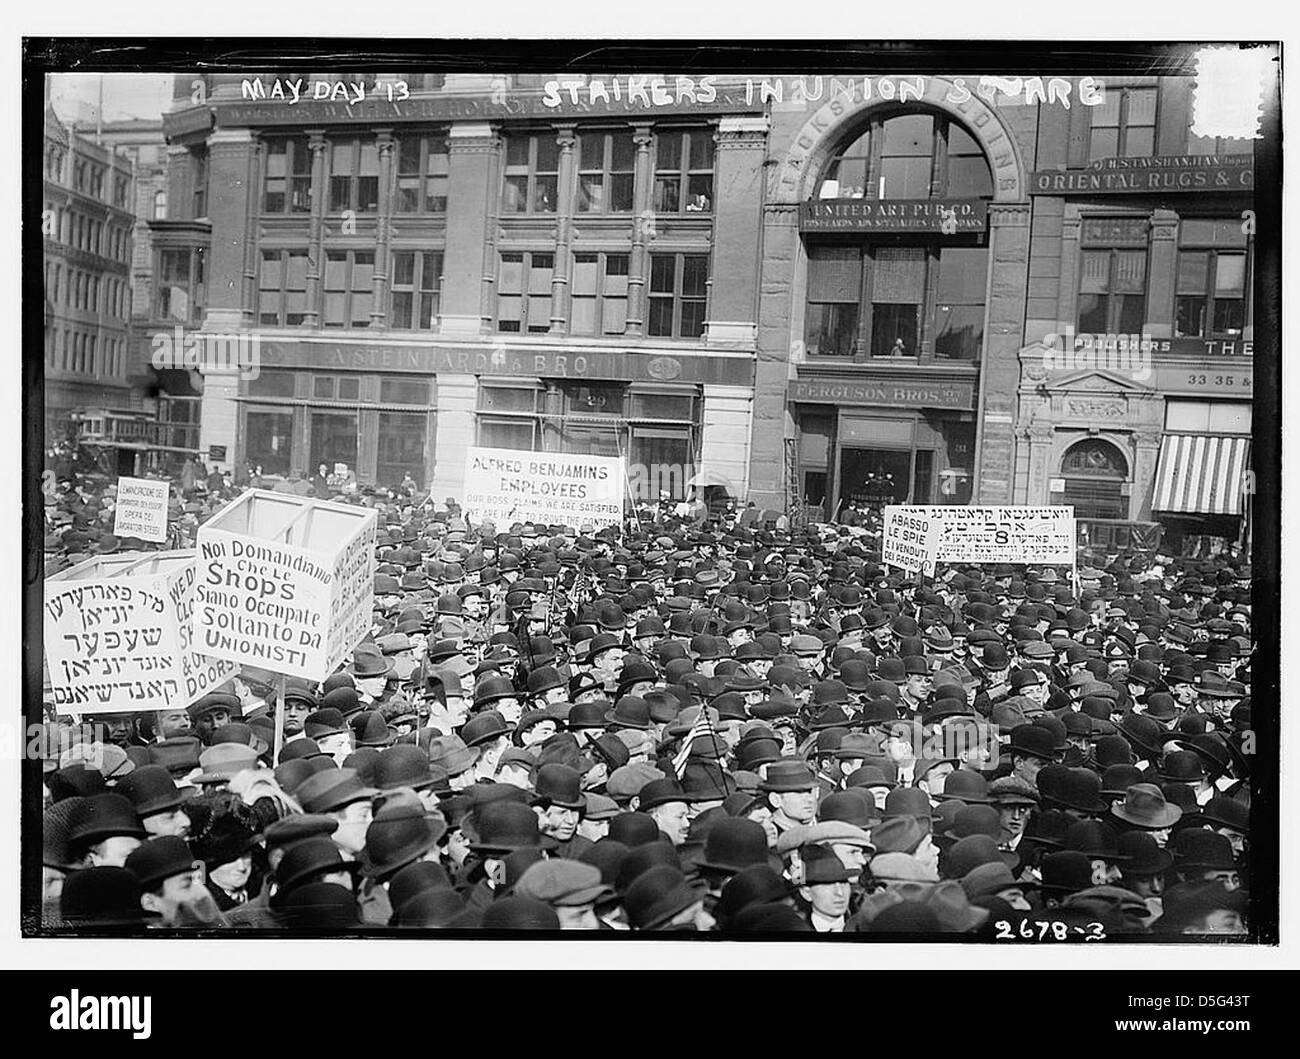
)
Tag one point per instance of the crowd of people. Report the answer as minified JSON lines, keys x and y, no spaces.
{"x":685,"y":725}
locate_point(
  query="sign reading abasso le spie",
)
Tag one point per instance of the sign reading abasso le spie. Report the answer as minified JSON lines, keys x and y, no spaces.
{"x":557,"y":488}
{"x":909,"y":537}
{"x":141,"y":509}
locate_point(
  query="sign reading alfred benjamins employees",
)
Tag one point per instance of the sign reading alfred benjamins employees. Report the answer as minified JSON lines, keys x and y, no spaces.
{"x":946,"y":217}
{"x":1005,"y":534}
{"x":909,"y":537}
{"x":568,"y":489}
{"x":141,"y":509}
{"x":285,"y":583}
{"x":117,"y":635}
{"x":1229,"y":172}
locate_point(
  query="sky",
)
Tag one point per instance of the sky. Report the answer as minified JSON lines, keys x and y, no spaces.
{"x":125,"y":95}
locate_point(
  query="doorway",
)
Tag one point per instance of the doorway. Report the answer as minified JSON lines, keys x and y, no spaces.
{"x":874,"y":477}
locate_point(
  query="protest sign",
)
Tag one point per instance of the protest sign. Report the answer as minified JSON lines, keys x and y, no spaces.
{"x":117,"y":635}
{"x":285,"y":582}
{"x":568,"y":489}
{"x":1006,"y":535}
{"x":909,"y":537}
{"x":141,"y":509}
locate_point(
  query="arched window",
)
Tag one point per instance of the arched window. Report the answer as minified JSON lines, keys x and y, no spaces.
{"x":160,"y":205}
{"x":908,"y":155}
{"x":1094,"y":473}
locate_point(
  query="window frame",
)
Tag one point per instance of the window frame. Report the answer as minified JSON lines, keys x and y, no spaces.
{"x":416,"y":289}
{"x":293,"y":180}
{"x":284,"y":254}
{"x":531,"y":174}
{"x":1122,"y":124}
{"x":601,"y":298}
{"x":605,"y":170}
{"x":524,"y":294}
{"x":422,"y":175}
{"x":349,"y":292}
{"x":684,"y":171}
{"x":678,"y":299}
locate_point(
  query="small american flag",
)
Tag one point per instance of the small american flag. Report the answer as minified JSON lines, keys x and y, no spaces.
{"x":702,"y":727}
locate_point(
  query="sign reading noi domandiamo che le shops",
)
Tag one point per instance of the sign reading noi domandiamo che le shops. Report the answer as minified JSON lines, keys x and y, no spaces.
{"x":506,"y":486}
{"x":285,"y":583}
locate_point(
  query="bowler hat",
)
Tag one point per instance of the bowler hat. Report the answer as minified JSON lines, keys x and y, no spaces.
{"x":308,"y":859}
{"x":658,"y":895}
{"x":103,"y":897}
{"x":152,"y":790}
{"x":1198,"y":849}
{"x":503,"y":827}
{"x":103,"y":816}
{"x":988,"y":880}
{"x":733,"y":844}
{"x":398,"y":835}
{"x":1143,"y":855}
{"x":559,"y":785}
{"x":483,"y":728}
{"x":331,"y":790}
{"x":160,"y":858}
{"x":660,"y":792}
{"x":1066,"y":872}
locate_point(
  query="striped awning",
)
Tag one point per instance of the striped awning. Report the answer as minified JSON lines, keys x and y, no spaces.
{"x":1201,"y":474}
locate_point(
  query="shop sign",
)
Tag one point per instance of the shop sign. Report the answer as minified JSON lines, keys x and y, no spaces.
{"x":1143,"y":175}
{"x":894,"y":393}
{"x":941,"y":216}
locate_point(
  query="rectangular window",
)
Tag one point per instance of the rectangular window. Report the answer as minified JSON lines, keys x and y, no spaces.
{"x":173,"y":287}
{"x":897,"y":294}
{"x":1112,"y":292}
{"x":269,"y":438}
{"x":417,"y":280}
{"x":531,"y":173}
{"x":400,"y":390}
{"x":834,"y":293}
{"x":282,"y":288}
{"x":401,"y":448}
{"x":683,"y":171}
{"x":199,"y":162}
{"x":907,"y":147}
{"x":286,"y":186}
{"x":354,"y":176}
{"x":348,"y":287}
{"x":678,"y":295}
{"x":1213,"y":271}
{"x":598,"y":294}
{"x":1124,"y":125}
{"x":272,"y":384}
{"x":422,"y":174}
{"x":605,"y":170}
{"x":524,"y":292}
{"x":959,"y":306}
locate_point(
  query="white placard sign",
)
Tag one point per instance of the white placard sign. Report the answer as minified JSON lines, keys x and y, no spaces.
{"x":285,"y":583}
{"x":140,"y":509}
{"x":1007,"y":535}
{"x":909,"y":536}
{"x":117,"y":635}
{"x":568,"y":489}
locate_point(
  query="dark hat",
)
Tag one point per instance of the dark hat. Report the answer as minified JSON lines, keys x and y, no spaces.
{"x":102,"y":897}
{"x":520,"y":913}
{"x":331,"y":790}
{"x":152,"y":790}
{"x":967,"y":786}
{"x":483,"y":728}
{"x":788,"y":775}
{"x":308,"y":859}
{"x":659,"y":894}
{"x":1066,"y":872}
{"x":1141,"y":854}
{"x":1094,"y":838}
{"x":503,"y":827}
{"x":1182,"y":766}
{"x":634,"y":829}
{"x":850,"y":807}
{"x":755,"y":885}
{"x":1199,"y":849}
{"x":160,"y":858}
{"x":430,"y":908}
{"x":1032,"y":740}
{"x":559,"y":785}
{"x":296,"y":827}
{"x":103,"y":816}
{"x":1221,"y":811}
{"x":321,"y":907}
{"x":398,"y":835}
{"x":416,"y":878}
{"x":407,"y":766}
{"x":660,"y":792}
{"x":369,"y":661}
{"x":631,"y":711}
{"x":324,"y":722}
{"x":733,"y":844}
{"x":216,"y":700}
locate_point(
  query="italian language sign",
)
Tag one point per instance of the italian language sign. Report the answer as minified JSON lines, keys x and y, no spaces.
{"x":567,"y":489}
{"x":141,"y":509}
{"x":917,"y":536}
{"x":290,"y":608}
{"x":117,"y":644}
{"x":909,"y":537}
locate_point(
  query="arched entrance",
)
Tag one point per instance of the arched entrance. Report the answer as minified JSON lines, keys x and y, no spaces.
{"x":1095,"y":472}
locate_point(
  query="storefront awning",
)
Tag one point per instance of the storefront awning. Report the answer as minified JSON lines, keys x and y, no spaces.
{"x":1201,"y":474}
